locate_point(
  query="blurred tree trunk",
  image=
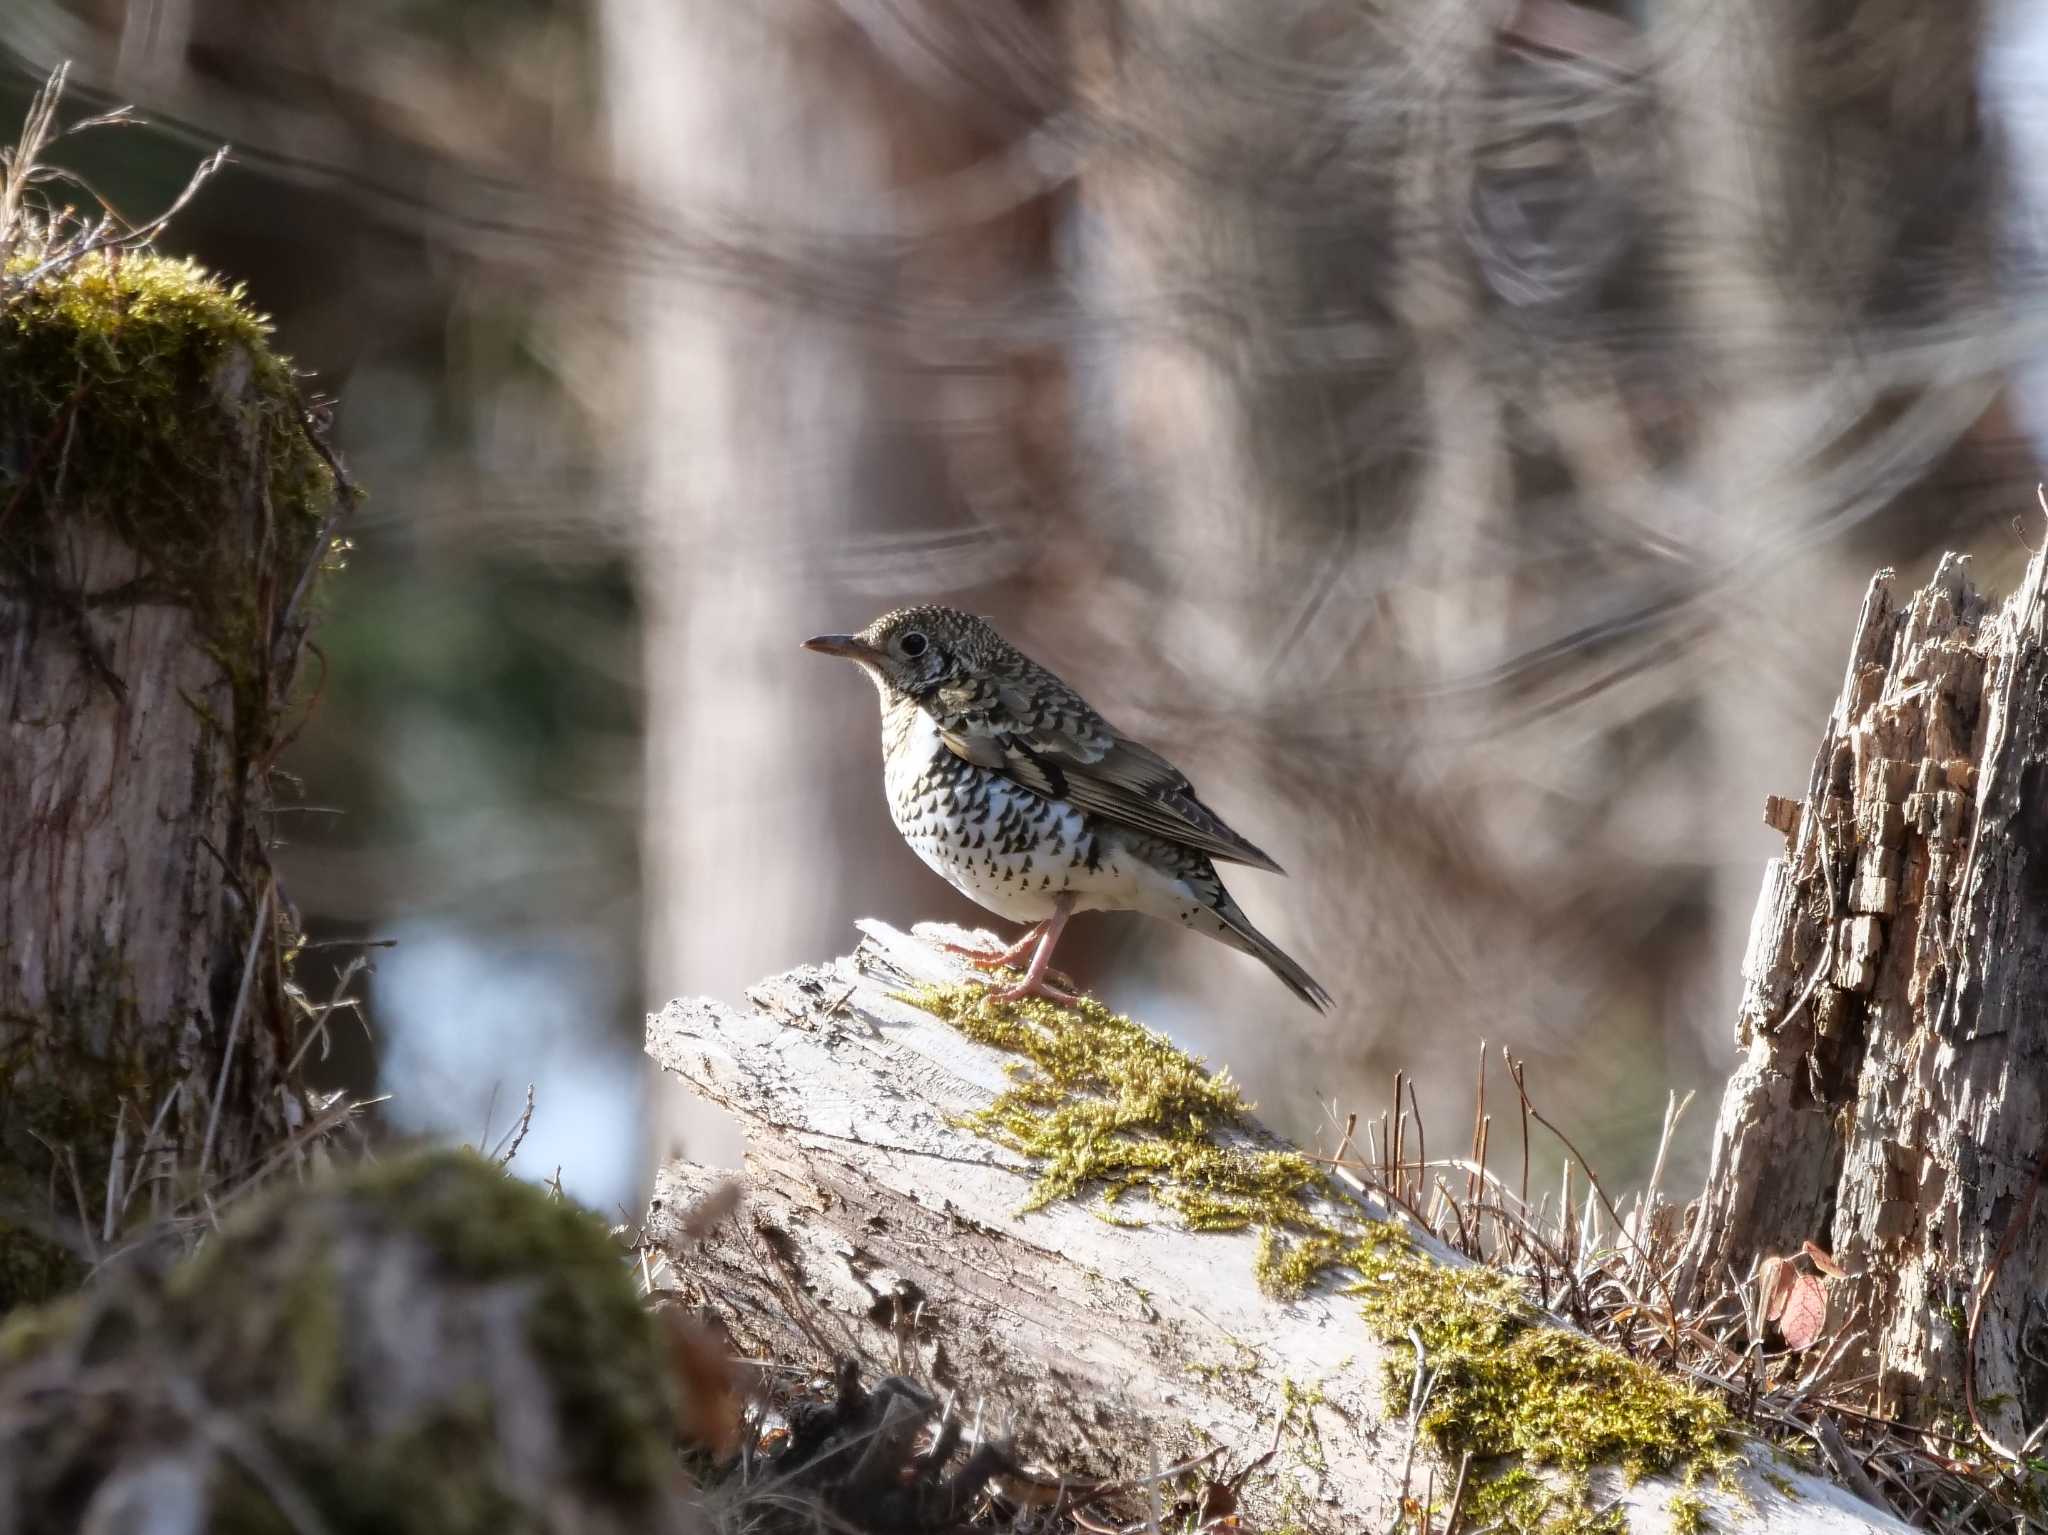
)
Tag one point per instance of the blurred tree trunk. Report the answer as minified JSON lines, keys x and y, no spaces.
{"x":164,"y":516}
{"x":1893,"y":1106}
{"x":1821,"y":167}
{"x":792,"y":482}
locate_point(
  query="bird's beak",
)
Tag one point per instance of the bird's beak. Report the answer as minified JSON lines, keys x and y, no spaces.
{"x":849,"y":646}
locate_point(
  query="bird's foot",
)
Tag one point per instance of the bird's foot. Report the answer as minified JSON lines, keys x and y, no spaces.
{"x":1041,"y":941}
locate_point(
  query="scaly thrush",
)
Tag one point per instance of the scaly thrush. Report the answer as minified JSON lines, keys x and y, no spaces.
{"x":1003,"y":779}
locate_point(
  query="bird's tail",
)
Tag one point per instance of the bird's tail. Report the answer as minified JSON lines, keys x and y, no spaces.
{"x":1235,"y":929}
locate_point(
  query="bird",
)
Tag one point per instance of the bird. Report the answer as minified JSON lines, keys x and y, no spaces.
{"x":1003,"y":779}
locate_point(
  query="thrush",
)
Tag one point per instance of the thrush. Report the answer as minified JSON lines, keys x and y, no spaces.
{"x":1006,"y":782}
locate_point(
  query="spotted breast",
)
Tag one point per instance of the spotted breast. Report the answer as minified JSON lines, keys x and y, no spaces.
{"x":999,"y":844}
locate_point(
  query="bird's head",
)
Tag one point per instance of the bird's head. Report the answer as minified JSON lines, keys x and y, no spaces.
{"x":915,"y":651}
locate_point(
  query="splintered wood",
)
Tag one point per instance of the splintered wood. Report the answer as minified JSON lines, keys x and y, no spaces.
{"x":1895,"y":1013}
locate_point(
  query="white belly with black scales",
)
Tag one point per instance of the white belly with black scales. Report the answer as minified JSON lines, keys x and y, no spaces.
{"x":1008,"y":849}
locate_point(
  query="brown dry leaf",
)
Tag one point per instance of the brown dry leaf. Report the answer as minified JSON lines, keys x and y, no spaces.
{"x":1219,"y":1508}
{"x":1804,"y":1314}
{"x":1774,"y":1280}
{"x":710,"y":1389}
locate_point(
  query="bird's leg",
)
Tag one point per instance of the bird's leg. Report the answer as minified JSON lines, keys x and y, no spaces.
{"x":995,"y":959}
{"x":1034,"y":983}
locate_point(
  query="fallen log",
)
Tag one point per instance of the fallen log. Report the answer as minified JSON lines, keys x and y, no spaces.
{"x":907,"y":1208}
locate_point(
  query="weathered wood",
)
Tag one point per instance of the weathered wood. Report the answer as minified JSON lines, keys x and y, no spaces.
{"x":1890,"y":1106}
{"x":879,"y":1227}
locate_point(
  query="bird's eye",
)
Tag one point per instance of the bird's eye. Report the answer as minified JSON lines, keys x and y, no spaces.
{"x":914,"y":644}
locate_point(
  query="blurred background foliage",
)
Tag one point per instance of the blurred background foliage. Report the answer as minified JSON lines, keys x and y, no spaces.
{"x":1458,"y":435}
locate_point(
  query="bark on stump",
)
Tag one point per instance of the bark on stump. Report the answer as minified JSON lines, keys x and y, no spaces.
{"x":879,"y":1227}
{"x":163,"y":513}
{"x":1895,"y":1014}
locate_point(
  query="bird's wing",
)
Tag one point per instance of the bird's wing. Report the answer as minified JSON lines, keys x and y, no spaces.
{"x":1044,"y":737}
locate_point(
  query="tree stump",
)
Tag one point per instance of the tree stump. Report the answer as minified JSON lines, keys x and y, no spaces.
{"x":1890,"y":1108}
{"x":884,"y":1224}
{"x":163,"y":514}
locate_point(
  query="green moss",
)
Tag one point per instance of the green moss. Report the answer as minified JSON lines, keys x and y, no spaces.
{"x":622,"y":1421}
{"x":1507,"y":1382}
{"x":1289,"y":1266}
{"x":29,"y":1330}
{"x":482,"y":1223}
{"x":585,"y":1324}
{"x":258,"y":1322}
{"x":1784,"y":1486}
{"x":423,"y":1477}
{"x":1517,"y":1499}
{"x":1689,"y":1515}
{"x":311,"y":1303}
{"x":121,"y":380}
{"x":1104,"y":1105}
{"x":1298,"y":1417}
{"x":138,"y":393}
{"x":64,"y":1075}
{"x":486,"y":1225}
{"x":429,"y":1472}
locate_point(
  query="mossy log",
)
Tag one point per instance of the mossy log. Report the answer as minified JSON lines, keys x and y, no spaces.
{"x":426,"y":1346}
{"x":1892,"y":1106}
{"x":163,"y":515}
{"x":903,"y":1209}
